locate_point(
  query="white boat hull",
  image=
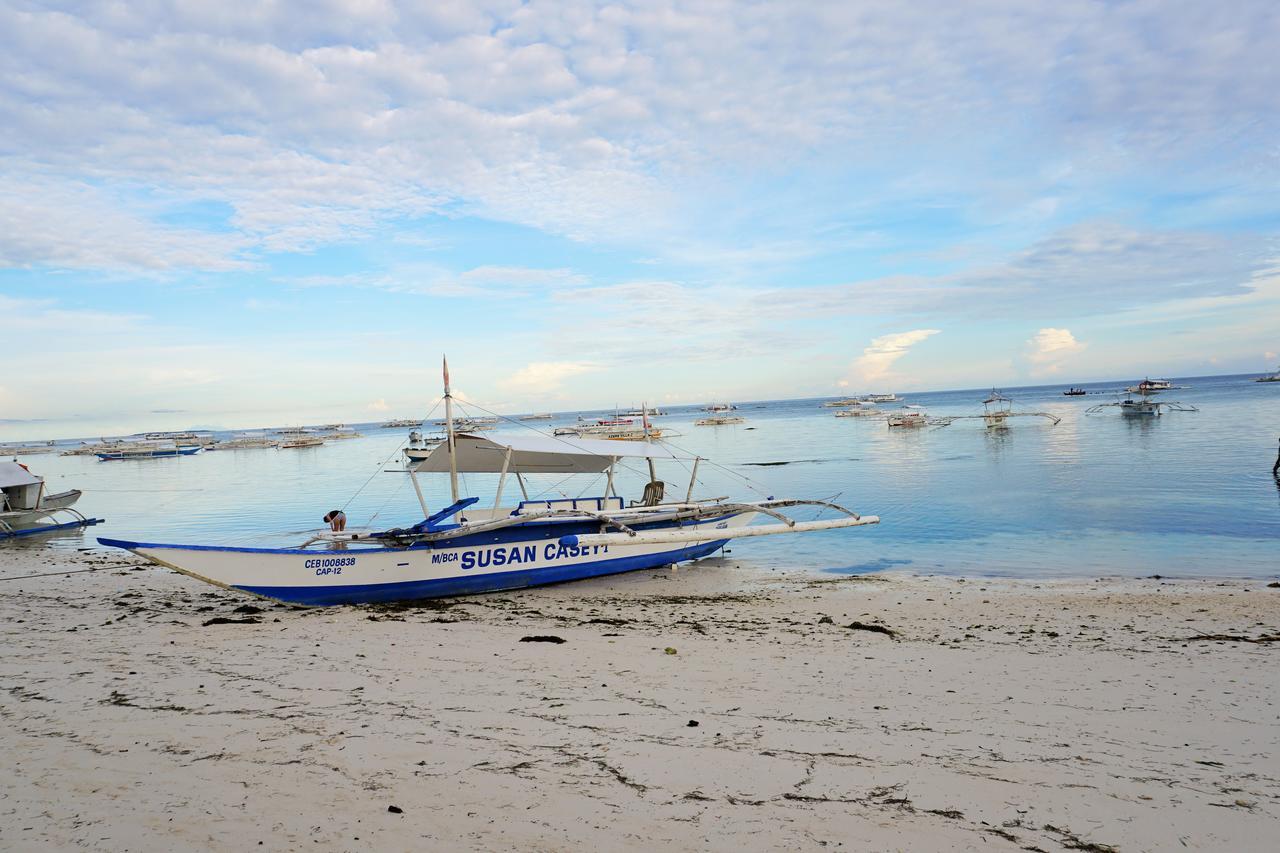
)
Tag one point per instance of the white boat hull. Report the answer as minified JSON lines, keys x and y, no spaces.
{"x":512,"y":560}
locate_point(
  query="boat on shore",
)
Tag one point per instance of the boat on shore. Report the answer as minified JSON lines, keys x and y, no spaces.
{"x":467,"y":547}
{"x":26,"y":508}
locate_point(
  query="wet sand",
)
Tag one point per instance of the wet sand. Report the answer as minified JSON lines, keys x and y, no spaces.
{"x":709,"y":708}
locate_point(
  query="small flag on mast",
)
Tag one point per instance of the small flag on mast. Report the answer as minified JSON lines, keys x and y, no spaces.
{"x":446,"y":374}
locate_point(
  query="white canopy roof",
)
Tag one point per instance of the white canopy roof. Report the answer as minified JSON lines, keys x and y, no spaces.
{"x":538,"y":455}
{"x":13,"y":474}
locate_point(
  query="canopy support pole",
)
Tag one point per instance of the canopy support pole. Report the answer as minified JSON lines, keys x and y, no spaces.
{"x":502,"y":480}
{"x":422,"y":502}
{"x":693,"y":478}
{"x":608,"y":486}
{"x":523,"y":490}
{"x":453,"y":447}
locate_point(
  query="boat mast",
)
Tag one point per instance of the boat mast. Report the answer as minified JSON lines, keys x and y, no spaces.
{"x":448,"y":420}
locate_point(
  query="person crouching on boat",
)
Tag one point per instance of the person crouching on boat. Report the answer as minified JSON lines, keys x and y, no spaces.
{"x":336,"y":519}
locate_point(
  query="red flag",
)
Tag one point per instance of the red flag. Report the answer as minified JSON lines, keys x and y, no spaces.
{"x":446,"y":374}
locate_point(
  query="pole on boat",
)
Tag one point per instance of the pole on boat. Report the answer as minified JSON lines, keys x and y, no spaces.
{"x":608,"y":486}
{"x":448,"y":419}
{"x":693,"y":478}
{"x":644,"y":419}
{"x":502,"y":480}
{"x":422,"y":502}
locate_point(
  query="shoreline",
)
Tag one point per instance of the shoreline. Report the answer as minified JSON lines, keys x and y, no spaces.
{"x":146,"y":710}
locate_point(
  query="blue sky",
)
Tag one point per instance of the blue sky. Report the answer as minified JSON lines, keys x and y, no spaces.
{"x":243,"y":215}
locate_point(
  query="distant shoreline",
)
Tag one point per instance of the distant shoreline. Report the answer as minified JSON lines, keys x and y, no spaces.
{"x":1119,"y":384}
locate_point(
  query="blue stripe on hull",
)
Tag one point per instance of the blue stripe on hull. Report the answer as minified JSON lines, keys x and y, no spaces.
{"x":68,"y":525}
{"x":470,"y":584}
{"x":533,"y":531}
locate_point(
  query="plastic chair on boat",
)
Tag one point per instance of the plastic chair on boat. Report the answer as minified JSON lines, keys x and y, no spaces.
{"x":653,"y":491}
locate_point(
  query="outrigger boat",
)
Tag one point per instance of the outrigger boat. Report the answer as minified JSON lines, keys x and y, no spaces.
{"x":1270,"y":377}
{"x":146,"y":450}
{"x":997,"y":409}
{"x":466,"y":548}
{"x":908,"y":416}
{"x":1144,"y":406}
{"x":26,"y":449}
{"x":26,"y":509}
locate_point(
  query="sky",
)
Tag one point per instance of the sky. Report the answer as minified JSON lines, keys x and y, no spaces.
{"x":240,"y":214}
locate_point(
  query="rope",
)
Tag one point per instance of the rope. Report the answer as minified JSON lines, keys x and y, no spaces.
{"x":395,"y":452}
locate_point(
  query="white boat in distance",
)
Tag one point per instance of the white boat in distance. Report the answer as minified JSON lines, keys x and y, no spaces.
{"x":467,"y":548}
{"x":245,"y":441}
{"x":881,"y":398}
{"x":26,"y":449}
{"x":908,"y":416}
{"x":1271,"y":377}
{"x":1143,"y":407}
{"x":400,"y":423}
{"x":146,"y":450}
{"x":299,"y":442}
{"x":26,"y":509}
{"x":1150,"y":386}
{"x":720,"y":420}
{"x":720,"y":407}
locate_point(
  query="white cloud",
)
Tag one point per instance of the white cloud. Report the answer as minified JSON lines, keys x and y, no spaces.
{"x":592,"y":120}
{"x":494,"y":282}
{"x":378,"y":405}
{"x":541,"y":377}
{"x":1050,"y":348}
{"x":877,"y":360}
{"x":74,"y":225}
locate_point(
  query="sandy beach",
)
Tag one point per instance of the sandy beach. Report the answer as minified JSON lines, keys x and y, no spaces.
{"x":714,"y":707}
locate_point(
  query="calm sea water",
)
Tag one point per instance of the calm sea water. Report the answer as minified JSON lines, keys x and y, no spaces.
{"x":1185,"y":494}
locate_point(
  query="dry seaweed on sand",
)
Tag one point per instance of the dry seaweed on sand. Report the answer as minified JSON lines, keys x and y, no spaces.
{"x":877,"y":629}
